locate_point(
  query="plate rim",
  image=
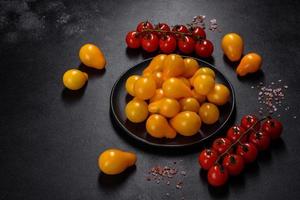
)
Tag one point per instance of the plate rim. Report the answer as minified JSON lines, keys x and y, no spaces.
{"x":173,"y":145}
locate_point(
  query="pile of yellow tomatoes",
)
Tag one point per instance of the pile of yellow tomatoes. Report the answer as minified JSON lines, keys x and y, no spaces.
{"x":175,"y":95}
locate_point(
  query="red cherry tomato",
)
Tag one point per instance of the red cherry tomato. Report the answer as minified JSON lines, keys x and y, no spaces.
{"x":248,"y":151}
{"x":234,"y":164}
{"x":199,"y":33}
{"x":248,"y":120}
{"x":207,"y":158}
{"x":217,"y":175}
{"x":186,"y":44}
{"x":181,"y":29}
{"x":221,"y":145}
{"x":235,"y":132}
{"x":163,"y":27}
{"x":133,"y":40}
{"x":204,"y":48}
{"x":260,"y":139}
{"x":144,"y":25}
{"x":273,"y":127}
{"x":150,"y":42}
{"x":167,"y":44}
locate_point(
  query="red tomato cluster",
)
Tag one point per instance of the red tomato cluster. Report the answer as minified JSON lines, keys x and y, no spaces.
{"x":241,"y":145}
{"x":152,"y":38}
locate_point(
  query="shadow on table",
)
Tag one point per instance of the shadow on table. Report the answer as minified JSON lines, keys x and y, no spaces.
{"x":114,"y":181}
{"x":72,"y":96}
{"x":229,"y":63}
{"x":92,"y":72}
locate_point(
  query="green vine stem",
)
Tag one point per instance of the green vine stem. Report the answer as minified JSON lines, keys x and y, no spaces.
{"x":238,"y":141}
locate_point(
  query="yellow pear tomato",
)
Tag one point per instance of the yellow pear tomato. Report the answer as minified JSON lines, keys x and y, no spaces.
{"x":92,"y":56}
{"x":219,"y":95}
{"x":250,"y":63}
{"x":209,"y":113}
{"x":189,"y":104}
{"x":175,"y":88}
{"x":130,"y":82}
{"x":203,"y":71}
{"x":74,"y":79}
{"x":158,"y":78}
{"x":190,"y":67}
{"x":232,"y":45}
{"x":186,"y":123}
{"x":173,"y":66}
{"x":158,"y":126}
{"x":136,"y":110}
{"x":166,"y":107}
{"x":203,"y":84}
{"x":201,"y":98}
{"x":144,"y":87}
{"x":115,"y":161}
{"x":186,"y":81}
{"x":159,"y":94}
{"x":156,"y":64}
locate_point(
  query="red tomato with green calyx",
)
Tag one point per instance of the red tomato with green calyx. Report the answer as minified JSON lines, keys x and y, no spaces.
{"x":143,"y":26}
{"x":186,"y":44}
{"x":207,"y":158}
{"x":221,"y":145}
{"x":249,"y":120}
{"x":198,"y":33}
{"x":260,"y":139}
{"x":133,"y":40}
{"x":235,"y":132}
{"x":234,"y":164}
{"x":162,"y":27}
{"x":181,"y":29}
{"x":273,"y":127}
{"x":248,"y":151}
{"x":204,"y":48}
{"x":217,"y":175}
{"x":150,"y":42}
{"x":167,"y":44}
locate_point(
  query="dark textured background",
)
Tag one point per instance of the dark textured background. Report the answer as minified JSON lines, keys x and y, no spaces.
{"x":50,"y":138}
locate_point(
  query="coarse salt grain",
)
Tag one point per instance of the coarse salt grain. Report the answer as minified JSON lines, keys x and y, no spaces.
{"x":271,"y":96}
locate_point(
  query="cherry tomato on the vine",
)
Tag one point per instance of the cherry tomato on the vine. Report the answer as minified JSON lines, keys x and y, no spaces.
{"x":133,"y":40}
{"x":248,"y":120}
{"x":204,"y":48}
{"x":181,"y":29}
{"x":235,"y":132}
{"x":199,"y":33}
{"x":186,"y":44}
{"x":167,"y":43}
{"x":207,"y":158}
{"x":162,"y":27}
{"x":273,"y":127}
{"x":260,"y":139}
{"x":150,"y":42}
{"x":248,"y":151}
{"x":144,"y":25}
{"x":217,"y":175}
{"x":221,"y":145}
{"x":234,"y":164}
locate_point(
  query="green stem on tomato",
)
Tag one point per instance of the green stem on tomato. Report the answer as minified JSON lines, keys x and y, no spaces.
{"x":239,"y":140}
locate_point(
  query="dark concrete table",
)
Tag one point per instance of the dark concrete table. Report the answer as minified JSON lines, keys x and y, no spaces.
{"x":50,"y":138}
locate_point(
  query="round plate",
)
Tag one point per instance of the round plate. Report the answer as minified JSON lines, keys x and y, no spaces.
{"x":119,"y":98}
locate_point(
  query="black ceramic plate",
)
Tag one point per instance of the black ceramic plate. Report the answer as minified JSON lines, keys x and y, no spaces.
{"x":119,"y":98}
